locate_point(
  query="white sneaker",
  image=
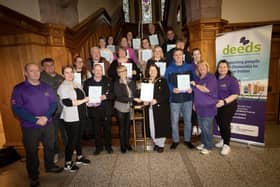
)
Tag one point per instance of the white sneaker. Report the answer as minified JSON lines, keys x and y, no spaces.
{"x":219,"y":144}
{"x":226,"y":150}
{"x":205,"y":151}
{"x":198,"y":130}
{"x":194,"y":131}
{"x":200,"y":147}
{"x":55,"y":158}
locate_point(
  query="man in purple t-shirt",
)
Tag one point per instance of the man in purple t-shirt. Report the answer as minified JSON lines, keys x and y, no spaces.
{"x":34,"y":103}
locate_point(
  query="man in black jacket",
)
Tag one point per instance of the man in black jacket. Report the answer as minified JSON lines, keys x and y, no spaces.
{"x":101,"y":112}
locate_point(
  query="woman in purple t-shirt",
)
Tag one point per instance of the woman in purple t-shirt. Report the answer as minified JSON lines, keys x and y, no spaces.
{"x":228,"y":91}
{"x":205,"y":100}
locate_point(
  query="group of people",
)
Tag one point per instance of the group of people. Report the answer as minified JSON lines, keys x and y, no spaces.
{"x":47,"y":101}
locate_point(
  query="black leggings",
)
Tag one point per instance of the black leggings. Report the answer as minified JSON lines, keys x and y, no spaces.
{"x":124,"y":121}
{"x":224,"y":118}
{"x":74,"y":134}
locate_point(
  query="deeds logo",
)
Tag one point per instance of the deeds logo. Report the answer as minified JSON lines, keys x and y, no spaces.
{"x":246,"y":46}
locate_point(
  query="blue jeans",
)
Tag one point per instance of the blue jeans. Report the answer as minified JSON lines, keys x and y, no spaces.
{"x":206,"y":125}
{"x":186,"y":109}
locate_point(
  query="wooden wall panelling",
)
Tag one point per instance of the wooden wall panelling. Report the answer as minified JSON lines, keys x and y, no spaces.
{"x":203,"y":35}
{"x":16,"y":51}
{"x":274,"y":76}
{"x":29,"y":41}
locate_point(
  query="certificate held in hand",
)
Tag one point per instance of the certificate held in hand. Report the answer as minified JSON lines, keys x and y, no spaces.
{"x":94,"y":94}
{"x":183,"y":82}
{"x":147,"y":92}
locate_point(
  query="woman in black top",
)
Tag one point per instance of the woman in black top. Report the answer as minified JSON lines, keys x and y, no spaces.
{"x":157,"y":57}
{"x":123,"y":60}
{"x":125,"y":93}
{"x":158,"y":110}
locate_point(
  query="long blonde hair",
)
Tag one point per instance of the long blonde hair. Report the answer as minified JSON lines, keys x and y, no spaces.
{"x":202,"y":62}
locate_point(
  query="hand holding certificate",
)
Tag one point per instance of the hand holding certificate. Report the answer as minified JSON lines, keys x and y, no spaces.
{"x":183,"y":82}
{"x":94,"y":94}
{"x":147,"y":92}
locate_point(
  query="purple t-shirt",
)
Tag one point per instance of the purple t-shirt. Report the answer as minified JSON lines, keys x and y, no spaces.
{"x":205,"y":103}
{"x":34,"y":100}
{"x":227,"y":86}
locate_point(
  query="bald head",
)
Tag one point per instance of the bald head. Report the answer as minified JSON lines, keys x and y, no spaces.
{"x":32,"y":73}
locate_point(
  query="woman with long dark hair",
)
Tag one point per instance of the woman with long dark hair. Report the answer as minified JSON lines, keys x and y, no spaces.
{"x":158,"y":109}
{"x":228,"y":91}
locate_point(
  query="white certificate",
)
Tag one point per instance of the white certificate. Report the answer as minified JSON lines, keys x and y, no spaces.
{"x":162,"y":67}
{"x":94,"y":94}
{"x":183,"y":82}
{"x":106,"y":55}
{"x":170,"y":46}
{"x":136,"y":43}
{"x":128,"y":68}
{"x":146,"y":54}
{"x":154,"y":39}
{"x":78,"y":78}
{"x":112,"y":48}
{"x":147,"y":92}
{"x":103,"y":67}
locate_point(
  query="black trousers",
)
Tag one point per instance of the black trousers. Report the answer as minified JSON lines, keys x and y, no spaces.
{"x":224,"y":118}
{"x":31,"y":139}
{"x":100,"y":121}
{"x":124,"y":122}
{"x":74,"y":133}
{"x":194,"y":118}
{"x":59,"y":126}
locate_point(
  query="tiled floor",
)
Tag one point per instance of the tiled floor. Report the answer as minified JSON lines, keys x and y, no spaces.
{"x":245,"y":166}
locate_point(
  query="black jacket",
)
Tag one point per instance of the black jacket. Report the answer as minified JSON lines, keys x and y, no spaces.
{"x":107,"y":90}
{"x":112,"y":71}
{"x":121,"y":93}
{"x":161,"y":110}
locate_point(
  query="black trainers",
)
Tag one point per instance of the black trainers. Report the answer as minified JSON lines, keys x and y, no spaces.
{"x":189,"y":145}
{"x":83,"y":161}
{"x":174,"y":145}
{"x":71,"y":167}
